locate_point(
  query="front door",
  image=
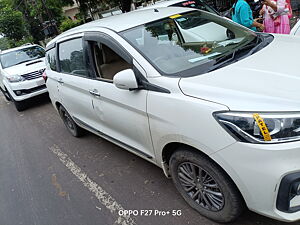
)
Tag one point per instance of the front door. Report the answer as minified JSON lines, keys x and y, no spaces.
{"x":121,"y":114}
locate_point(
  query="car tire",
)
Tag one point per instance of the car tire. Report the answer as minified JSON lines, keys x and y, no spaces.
{"x":6,"y":94}
{"x":205,"y":186}
{"x":72,"y":127}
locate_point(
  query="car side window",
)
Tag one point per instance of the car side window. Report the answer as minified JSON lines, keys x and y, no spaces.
{"x":107,"y":61}
{"x":51,"y":59}
{"x":71,"y":58}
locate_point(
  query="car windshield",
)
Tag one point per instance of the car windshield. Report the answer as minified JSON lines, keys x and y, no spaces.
{"x":21,"y":56}
{"x":188,"y":44}
{"x":196,"y":4}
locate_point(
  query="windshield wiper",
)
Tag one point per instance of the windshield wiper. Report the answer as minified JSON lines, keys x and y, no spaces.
{"x":222,"y":60}
{"x":254,"y":45}
{"x":23,"y":61}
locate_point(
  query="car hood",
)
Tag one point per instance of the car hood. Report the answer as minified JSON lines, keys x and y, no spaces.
{"x":268,"y":80}
{"x":26,"y":67}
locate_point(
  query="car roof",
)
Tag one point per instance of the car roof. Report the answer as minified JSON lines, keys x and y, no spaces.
{"x":17,"y":48}
{"x":125,"y":21}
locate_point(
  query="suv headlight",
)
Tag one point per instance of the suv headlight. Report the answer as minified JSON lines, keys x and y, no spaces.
{"x":15,"y":78}
{"x":261,"y":127}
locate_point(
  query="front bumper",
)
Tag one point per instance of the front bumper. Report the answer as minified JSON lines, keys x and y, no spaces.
{"x":257,"y":170}
{"x":26,"y":89}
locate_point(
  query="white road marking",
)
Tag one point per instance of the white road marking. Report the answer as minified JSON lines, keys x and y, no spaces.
{"x":104,"y":198}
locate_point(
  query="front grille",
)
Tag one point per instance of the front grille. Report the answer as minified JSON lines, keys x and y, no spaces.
{"x":33,"y":75}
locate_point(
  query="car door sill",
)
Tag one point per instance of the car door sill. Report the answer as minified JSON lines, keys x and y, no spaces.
{"x":109,"y":138}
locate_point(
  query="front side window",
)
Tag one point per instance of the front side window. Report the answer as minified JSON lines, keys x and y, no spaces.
{"x":107,"y":62}
{"x":20,"y":56}
{"x":71,"y":58}
{"x":51,"y":59}
{"x":188,"y":44}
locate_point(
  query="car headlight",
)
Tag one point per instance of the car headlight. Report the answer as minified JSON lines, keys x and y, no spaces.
{"x":261,"y":127}
{"x":15,"y":78}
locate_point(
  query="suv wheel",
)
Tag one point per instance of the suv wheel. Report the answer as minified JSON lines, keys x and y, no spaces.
{"x":205,"y":186}
{"x":72,"y":127}
{"x":6,"y":94}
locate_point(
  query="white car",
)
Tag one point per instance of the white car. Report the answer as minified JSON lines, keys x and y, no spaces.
{"x":296,"y":29}
{"x":21,"y":71}
{"x":220,"y":117}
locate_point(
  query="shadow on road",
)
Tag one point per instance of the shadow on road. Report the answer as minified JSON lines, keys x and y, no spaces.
{"x":38,"y":101}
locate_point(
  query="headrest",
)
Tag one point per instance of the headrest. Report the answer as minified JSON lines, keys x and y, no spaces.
{"x":109,"y":55}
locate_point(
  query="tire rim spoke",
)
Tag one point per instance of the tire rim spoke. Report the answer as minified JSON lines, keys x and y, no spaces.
{"x":215,"y":193}
{"x":214,"y":203}
{"x":195,"y":194}
{"x":207,"y":203}
{"x":186,"y":179}
{"x":188,"y":189}
{"x":186,"y":171}
{"x":194,"y":172}
{"x":68,"y":120}
{"x":200,"y":186}
{"x":210,"y":185}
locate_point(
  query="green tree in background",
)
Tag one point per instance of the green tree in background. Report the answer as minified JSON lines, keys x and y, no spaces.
{"x":88,"y":6}
{"x":36,"y":12}
{"x":12,"y":25}
{"x":4,"y":44}
{"x":24,"y":20}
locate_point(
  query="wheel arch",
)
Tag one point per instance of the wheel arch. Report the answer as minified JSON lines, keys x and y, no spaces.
{"x":171,"y":147}
{"x":57,"y":105}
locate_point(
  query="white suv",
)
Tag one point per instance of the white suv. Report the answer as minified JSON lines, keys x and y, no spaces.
{"x":213,"y":104}
{"x":21,"y":71}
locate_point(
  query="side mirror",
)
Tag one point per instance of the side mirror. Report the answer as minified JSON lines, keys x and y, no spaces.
{"x":125,"y":79}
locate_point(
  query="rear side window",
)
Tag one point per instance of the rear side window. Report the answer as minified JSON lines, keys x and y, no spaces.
{"x":51,"y":59}
{"x":71,"y":58}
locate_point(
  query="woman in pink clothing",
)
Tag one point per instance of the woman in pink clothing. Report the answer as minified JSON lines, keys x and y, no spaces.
{"x":277,"y":15}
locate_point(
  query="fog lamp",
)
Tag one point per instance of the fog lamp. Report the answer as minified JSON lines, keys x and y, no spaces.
{"x":18,"y":92}
{"x":288,"y":198}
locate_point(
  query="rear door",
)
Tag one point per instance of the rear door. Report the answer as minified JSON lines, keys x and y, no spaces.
{"x":74,"y":81}
{"x":52,"y":74}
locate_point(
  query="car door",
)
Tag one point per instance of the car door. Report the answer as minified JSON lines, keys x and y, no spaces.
{"x":74,"y":80}
{"x":121,"y":114}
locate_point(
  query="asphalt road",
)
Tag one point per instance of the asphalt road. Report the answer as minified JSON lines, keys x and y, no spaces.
{"x":48,"y":177}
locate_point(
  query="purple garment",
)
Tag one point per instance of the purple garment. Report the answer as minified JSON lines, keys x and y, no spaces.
{"x":279,"y":25}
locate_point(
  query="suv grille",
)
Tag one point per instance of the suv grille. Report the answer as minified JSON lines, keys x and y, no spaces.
{"x":33,"y":75}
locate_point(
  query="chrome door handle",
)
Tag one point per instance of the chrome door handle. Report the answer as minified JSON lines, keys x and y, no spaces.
{"x":60,"y":81}
{"x":95,"y":93}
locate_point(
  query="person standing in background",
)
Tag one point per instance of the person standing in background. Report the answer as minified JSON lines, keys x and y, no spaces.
{"x":242,"y":14}
{"x":277,"y":14}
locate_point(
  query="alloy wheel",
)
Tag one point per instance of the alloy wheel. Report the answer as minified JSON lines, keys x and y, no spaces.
{"x":200,"y":186}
